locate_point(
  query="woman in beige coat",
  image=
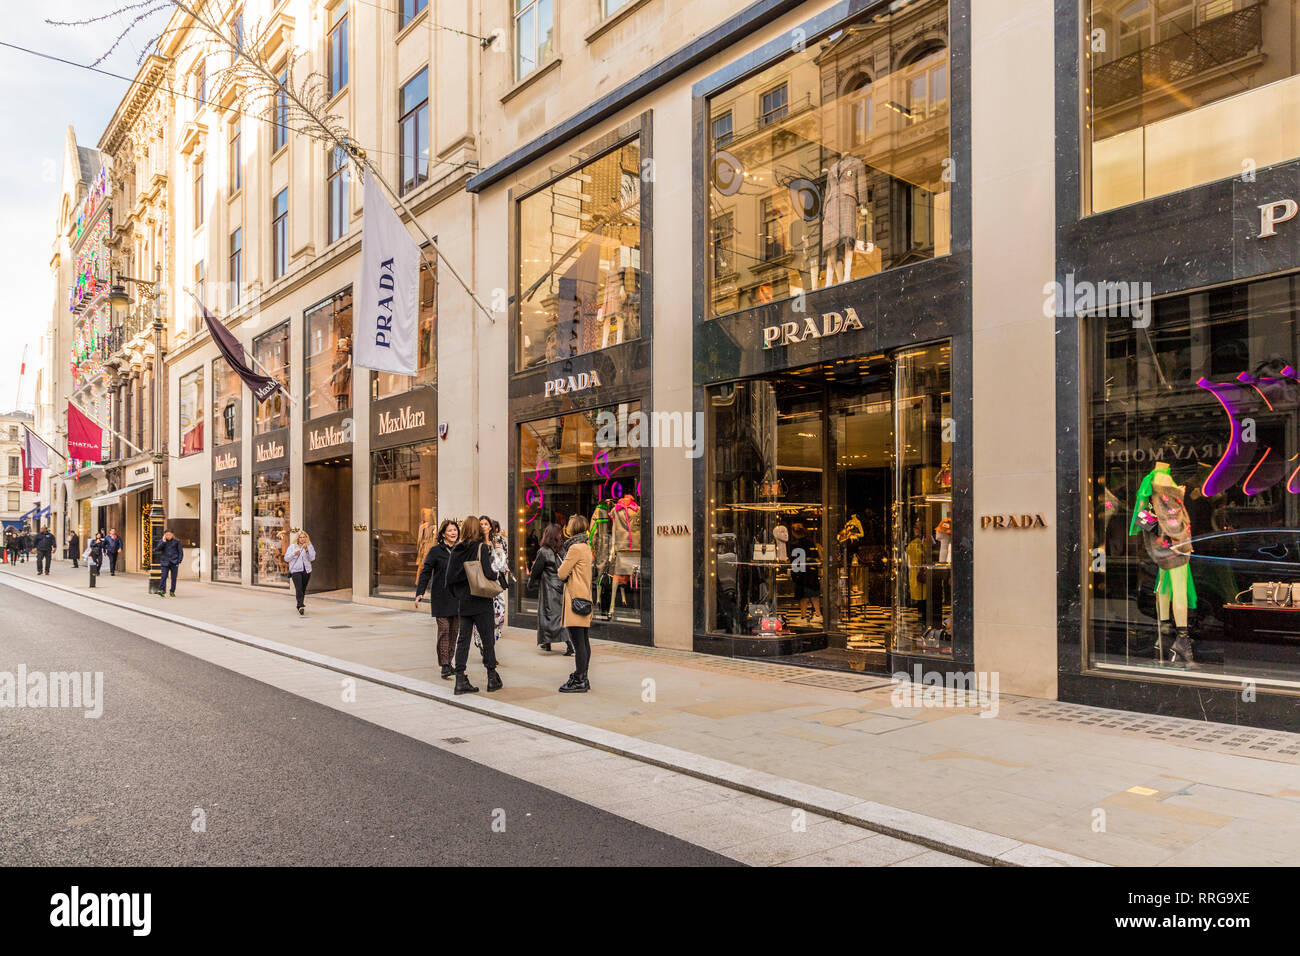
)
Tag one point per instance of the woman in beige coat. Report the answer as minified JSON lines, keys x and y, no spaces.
{"x":575,"y":572}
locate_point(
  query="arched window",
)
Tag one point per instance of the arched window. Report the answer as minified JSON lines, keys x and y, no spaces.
{"x":924,"y":74}
{"x":859,"y":105}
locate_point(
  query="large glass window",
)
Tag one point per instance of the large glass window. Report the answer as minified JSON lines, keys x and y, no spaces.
{"x":191,"y":407}
{"x":413,"y":129}
{"x":337,"y":180}
{"x":338,"y":47}
{"x":534,"y":32}
{"x":386,"y":384}
{"x":587,"y":463}
{"x":280,"y":233}
{"x":834,"y":163}
{"x":404,"y":499}
{"x":271,"y":527}
{"x":227,"y":395}
{"x":329,"y":356}
{"x":272,"y":353}
{"x":227,"y":510}
{"x":1186,"y":93}
{"x":580,"y":260}
{"x":1193,"y":501}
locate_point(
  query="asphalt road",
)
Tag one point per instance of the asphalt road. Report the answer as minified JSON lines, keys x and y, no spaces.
{"x":281,"y":780}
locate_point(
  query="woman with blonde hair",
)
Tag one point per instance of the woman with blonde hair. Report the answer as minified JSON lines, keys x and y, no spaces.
{"x":473,"y":610}
{"x":299,"y":556}
{"x":575,"y":572}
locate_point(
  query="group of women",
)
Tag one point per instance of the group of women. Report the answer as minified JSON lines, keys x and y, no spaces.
{"x":470,"y":557}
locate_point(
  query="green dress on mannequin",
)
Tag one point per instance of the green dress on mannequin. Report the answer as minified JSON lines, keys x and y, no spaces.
{"x":1161,"y":516}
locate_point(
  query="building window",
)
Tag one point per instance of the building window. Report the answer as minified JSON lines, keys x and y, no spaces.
{"x":534,"y":32}
{"x":403,"y":513}
{"x":809,"y":158}
{"x":236,"y":157}
{"x":226,"y":398}
{"x":575,"y":465}
{"x":237,"y":30}
{"x":579,"y":280}
{"x":14,"y":501}
{"x":1187,"y":516}
{"x":280,"y":234}
{"x":329,"y":356}
{"x":337,"y":178}
{"x":613,"y":6}
{"x":227,"y":508}
{"x":14,"y":464}
{"x":280,"y":128}
{"x":413,"y":129}
{"x":410,"y":10}
{"x":724,"y":228}
{"x":1183,"y":92}
{"x":198,"y":193}
{"x":236,"y":266}
{"x":191,"y":418}
{"x":271,"y":352}
{"x":201,"y":85}
{"x":200,"y":290}
{"x":338,"y":47}
{"x":386,"y":384}
{"x":271,"y":527}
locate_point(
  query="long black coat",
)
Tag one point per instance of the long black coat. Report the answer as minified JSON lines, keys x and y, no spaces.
{"x":433,"y":577}
{"x":468,"y":604}
{"x":550,"y":597}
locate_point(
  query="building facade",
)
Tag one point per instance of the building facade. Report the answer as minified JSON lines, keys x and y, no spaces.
{"x":21,"y":509}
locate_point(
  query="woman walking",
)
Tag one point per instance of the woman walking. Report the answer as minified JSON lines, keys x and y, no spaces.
{"x":500,"y":564}
{"x":299,"y":556}
{"x":575,"y":572}
{"x":442,"y":603}
{"x":473,"y":610}
{"x":550,"y":591}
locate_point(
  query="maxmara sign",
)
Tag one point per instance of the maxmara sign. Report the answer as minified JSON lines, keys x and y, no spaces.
{"x":830,"y":323}
{"x":329,"y":436}
{"x":268,"y":450}
{"x":404,"y":419}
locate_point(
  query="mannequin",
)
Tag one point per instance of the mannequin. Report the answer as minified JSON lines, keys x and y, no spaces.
{"x":625,"y":547}
{"x":846,"y":194}
{"x":1159,"y":513}
{"x":943,"y":532}
{"x":782,"y":535}
{"x":600,"y":536}
{"x":424,"y":540}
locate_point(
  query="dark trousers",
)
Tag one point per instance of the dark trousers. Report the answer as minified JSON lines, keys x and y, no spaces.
{"x":484,"y":622}
{"x":112,"y":563}
{"x":579,"y":637}
{"x":166,"y":570}
{"x":72,"y":553}
{"x":42,"y":562}
{"x":300,"y":579}
{"x":446,"y":639}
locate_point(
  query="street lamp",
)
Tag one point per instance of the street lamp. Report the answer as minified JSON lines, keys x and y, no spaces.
{"x":119,"y":301}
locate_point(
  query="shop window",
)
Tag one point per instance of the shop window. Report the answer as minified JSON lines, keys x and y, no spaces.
{"x":587,"y":463}
{"x":534,"y":32}
{"x":272,"y":354}
{"x":579,"y":281}
{"x":403,"y":516}
{"x":227,"y":510}
{"x":1193,"y":504}
{"x":329,"y":356}
{"x":191,"y":417}
{"x":810,"y":158}
{"x":1185,"y":93}
{"x":271,"y":527}
{"x":226,"y":398}
{"x":387,"y":384}
{"x":413,"y":130}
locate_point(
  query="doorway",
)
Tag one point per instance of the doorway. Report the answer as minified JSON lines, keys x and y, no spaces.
{"x":328,"y":520}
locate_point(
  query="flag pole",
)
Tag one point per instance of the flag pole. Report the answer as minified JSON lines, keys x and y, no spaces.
{"x":45,"y":443}
{"x":248,"y":353}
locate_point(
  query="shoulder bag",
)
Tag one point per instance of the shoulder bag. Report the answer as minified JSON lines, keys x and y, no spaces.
{"x":480,"y":583}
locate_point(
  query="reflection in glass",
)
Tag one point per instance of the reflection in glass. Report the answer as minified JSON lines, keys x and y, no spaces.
{"x":191,"y":412}
{"x":227,"y":512}
{"x":271,"y":527}
{"x":272,"y":354}
{"x":404,"y":498}
{"x":227,"y":395}
{"x":385,"y":384}
{"x":329,"y":356}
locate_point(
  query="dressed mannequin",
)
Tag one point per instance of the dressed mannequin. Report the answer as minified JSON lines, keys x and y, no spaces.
{"x":625,"y":547}
{"x":1160,"y":514}
{"x":424,"y":540}
{"x":846,"y":195}
{"x":943,"y":533}
{"x":600,"y":535}
{"x":343,"y":373}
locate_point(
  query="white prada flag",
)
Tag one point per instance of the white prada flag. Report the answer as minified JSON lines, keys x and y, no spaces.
{"x":386,"y":311}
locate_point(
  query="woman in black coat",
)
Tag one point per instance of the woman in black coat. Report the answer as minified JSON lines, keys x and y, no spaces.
{"x":442,"y":603}
{"x":550,"y":591}
{"x":472,"y":610}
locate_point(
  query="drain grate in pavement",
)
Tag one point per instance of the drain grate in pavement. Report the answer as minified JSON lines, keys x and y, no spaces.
{"x":339,"y":627}
{"x":1221,"y":738}
{"x":454,"y":740}
{"x":852,"y":683}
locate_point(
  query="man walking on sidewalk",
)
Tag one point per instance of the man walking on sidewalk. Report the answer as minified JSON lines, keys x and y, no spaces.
{"x":74,"y":547}
{"x":169,"y":554}
{"x":112,"y":545}
{"x":44,"y":548}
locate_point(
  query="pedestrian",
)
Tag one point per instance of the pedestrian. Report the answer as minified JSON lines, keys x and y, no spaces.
{"x":299,"y":557}
{"x":74,"y":547}
{"x":169,"y":553}
{"x":550,"y":591}
{"x":473,"y":610}
{"x":575,"y":572}
{"x":45,"y":545}
{"x":500,"y":564}
{"x":112,"y":545}
{"x":95,"y":553}
{"x":11,"y":545}
{"x":442,"y":602}
{"x":25,"y":541}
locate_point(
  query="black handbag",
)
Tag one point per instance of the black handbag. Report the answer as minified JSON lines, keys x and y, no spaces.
{"x":580,"y":606}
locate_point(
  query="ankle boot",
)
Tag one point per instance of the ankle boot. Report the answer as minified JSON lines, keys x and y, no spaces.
{"x":463,"y":686}
{"x":1182,"y":649}
{"x":494,"y":681}
{"x":448,"y":671}
{"x":576,"y":684}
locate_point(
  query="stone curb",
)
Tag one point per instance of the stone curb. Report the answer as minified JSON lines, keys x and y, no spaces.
{"x":978,"y":845}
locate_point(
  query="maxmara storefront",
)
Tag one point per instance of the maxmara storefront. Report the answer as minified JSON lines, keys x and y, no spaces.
{"x":849,"y":364}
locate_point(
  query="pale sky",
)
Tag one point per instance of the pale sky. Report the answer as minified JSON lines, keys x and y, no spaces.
{"x":39,"y":99}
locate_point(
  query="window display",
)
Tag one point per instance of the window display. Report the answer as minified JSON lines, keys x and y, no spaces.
{"x":574,"y":464}
{"x":403,"y":516}
{"x":580,"y":260}
{"x":834,"y":163}
{"x":227,"y":395}
{"x":191,"y":412}
{"x":270,"y":527}
{"x":227,"y":507}
{"x":1186,"y":93}
{"x":329,"y":356}
{"x":1194,"y":477}
{"x":272,"y":354}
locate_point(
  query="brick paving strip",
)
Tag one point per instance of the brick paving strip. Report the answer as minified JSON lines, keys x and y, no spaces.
{"x":994,"y":791}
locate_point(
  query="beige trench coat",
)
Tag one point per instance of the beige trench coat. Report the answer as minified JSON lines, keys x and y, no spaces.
{"x":575,"y":572}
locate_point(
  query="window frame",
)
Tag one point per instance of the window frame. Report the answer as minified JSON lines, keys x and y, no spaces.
{"x":235,"y":265}
{"x":417,"y":7}
{"x":280,"y":236}
{"x":235,"y":149}
{"x":338,"y":194}
{"x":280,"y":122}
{"x":523,"y":8}
{"x":189,"y":377}
{"x":199,"y":190}
{"x":413,"y":115}
{"x":336,"y":47}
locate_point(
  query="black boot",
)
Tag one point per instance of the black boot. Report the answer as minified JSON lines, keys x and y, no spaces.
{"x":494,"y":681}
{"x":576,"y":684}
{"x":463,"y":686}
{"x":448,"y":671}
{"x":1182,"y":649}
{"x":568,"y":650}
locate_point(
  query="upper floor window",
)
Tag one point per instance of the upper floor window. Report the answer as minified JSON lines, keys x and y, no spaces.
{"x":775,"y":104}
{"x":722,"y":130}
{"x":280,"y":233}
{"x":236,"y":266}
{"x":338,"y":193}
{"x":613,"y":6}
{"x":859,"y":106}
{"x":200,"y":290}
{"x":534,"y":35}
{"x":280,"y":128}
{"x":236,"y":157}
{"x":414,"y":131}
{"x":201,"y":85}
{"x":237,"y":30}
{"x":1183,"y":93}
{"x":338,"y":47}
{"x":410,"y":10}
{"x":329,"y":356}
{"x":198,"y":193}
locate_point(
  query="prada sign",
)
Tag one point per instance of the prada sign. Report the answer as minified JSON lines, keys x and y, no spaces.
{"x":830,"y":323}
{"x":570,"y":384}
{"x":328,"y":437}
{"x":271,"y":450}
{"x":1003,"y":522}
{"x":404,"y":419}
{"x":227,"y":460}
{"x":1272,"y":214}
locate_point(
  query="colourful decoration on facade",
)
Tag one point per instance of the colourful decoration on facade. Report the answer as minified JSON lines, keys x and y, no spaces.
{"x":98,"y":192}
{"x":91,"y":271}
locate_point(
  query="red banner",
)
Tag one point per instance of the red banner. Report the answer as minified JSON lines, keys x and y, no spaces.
{"x":85,"y":438}
{"x":31,"y":476}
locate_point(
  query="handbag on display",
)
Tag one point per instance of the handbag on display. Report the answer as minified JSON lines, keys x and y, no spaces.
{"x":764,"y":552}
{"x":480,"y":584}
{"x":1275,"y":593}
{"x":636,"y":577}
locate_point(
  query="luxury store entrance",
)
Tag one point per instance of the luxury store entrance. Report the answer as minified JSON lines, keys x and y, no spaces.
{"x":831,"y":510}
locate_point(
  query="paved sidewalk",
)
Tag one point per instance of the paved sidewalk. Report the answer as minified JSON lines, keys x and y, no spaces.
{"x":1109,"y":786}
